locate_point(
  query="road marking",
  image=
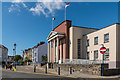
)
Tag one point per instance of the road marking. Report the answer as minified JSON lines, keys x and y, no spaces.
{"x":14,"y":68}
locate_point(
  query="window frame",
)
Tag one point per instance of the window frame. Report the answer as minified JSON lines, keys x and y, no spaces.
{"x":88,"y":55}
{"x":88,"y":41}
{"x":105,"y":41}
{"x":95,"y":40}
{"x":79,"y":47}
{"x":95,"y":56}
{"x":108,"y":55}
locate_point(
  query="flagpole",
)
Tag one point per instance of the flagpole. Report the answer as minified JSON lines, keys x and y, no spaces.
{"x":65,"y":14}
{"x":52,"y":23}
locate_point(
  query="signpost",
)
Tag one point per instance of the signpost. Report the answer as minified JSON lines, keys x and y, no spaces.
{"x":102,"y":51}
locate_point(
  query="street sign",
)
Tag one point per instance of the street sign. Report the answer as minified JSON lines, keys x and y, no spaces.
{"x":103,"y":50}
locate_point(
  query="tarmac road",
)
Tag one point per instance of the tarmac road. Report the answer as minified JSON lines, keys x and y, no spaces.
{"x":11,"y":75}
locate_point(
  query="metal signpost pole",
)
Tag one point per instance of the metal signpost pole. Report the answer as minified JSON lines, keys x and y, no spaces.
{"x":103,"y":66}
{"x":102,"y":50}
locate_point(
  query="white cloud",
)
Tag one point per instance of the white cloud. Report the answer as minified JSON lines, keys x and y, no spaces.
{"x":47,"y":8}
{"x":17,"y":1}
{"x":13,"y":7}
{"x":16,"y":5}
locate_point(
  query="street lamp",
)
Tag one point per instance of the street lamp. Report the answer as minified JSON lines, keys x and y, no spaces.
{"x":15,"y":48}
{"x":14,"y":53}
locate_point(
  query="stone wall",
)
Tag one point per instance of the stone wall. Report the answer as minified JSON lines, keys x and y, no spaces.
{"x":94,"y":69}
{"x":108,"y":72}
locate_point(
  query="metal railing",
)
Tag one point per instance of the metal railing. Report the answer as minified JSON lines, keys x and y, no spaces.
{"x":82,"y":61}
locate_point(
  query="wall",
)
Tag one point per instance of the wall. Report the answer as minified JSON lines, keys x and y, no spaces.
{"x":3,"y":53}
{"x":111,"y":44}
{"x":30,"y":54}
{"x":118,"y":45}
{"x":42,"y":50}
{"x":94,"y":69}
{"x":35,"y":51}
{"x":64,"y":27}
{"x":75,"y":34}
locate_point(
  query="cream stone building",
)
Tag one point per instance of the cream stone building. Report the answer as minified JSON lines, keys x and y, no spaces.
{"x":110,"y":38}
{"x":73,"y":43}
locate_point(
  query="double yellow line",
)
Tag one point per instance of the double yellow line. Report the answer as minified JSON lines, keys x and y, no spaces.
{"x":13,"y":68}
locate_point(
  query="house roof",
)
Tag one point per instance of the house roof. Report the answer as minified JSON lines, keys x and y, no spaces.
{"x":2,"y":46}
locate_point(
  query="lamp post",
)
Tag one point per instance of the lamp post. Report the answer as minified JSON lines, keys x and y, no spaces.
{"x":14,"y":53}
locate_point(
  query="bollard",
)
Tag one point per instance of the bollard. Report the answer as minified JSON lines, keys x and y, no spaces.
{"x":34,"y":68}
{"x":46,"y":69}
{"x":58,"y":70}
{"x":15,"y":66}
{"x":70,"y":70}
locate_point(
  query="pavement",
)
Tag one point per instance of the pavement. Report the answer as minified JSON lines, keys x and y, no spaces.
{"x":64,"y":73}
{"x":27,"y":72}
{"x":79,"y":75}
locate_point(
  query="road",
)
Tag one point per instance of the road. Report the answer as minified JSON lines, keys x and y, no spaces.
{"x":10,"y":75}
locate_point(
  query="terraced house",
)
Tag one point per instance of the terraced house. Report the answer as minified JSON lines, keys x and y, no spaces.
{"x":3,"y":53}
{"x":70,"y":44}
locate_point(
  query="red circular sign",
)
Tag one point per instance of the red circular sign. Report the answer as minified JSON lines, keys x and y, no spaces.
{"x":102,"y":50}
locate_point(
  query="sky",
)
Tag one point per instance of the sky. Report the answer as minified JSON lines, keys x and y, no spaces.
{"x":28,"y":23}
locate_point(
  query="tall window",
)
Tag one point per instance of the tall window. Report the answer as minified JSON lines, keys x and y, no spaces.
{"x":106,"y":37}
{"x":87,"y":42}
{"x":51,"y":43}
{"x":87,"y":56}
{"x":95,"y":40}
{"x":79,"y":48}
{"x":96,"y":55}
{"x":106,"y":55}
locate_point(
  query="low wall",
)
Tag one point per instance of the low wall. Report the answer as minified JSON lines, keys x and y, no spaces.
{"x":94,"y":69}
{"x":109,"y":72}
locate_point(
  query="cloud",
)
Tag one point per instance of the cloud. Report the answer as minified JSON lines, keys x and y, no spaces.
{"x":47,"y":7}
{"x":17,"y":1}
{"x":16,"y":5}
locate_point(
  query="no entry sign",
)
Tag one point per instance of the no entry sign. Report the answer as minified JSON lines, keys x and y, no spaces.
{"x":102,"y":50}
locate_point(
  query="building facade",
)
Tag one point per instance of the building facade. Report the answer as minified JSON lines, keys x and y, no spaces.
{"x":67,"y":42}
{"x":38,"y":51}
{"x":29,"y":54}
{"x":58,"y":43}
{"x":110,"y":38}
{"x":25,"y":54}
{"x":3,"y":53}
{"x":10,"y":59}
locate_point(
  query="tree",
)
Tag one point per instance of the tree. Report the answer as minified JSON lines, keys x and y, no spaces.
{"x":17,"y":57}
{"x":44,"y":58}
{"x":26,"y":59}
{"x":20,"y":61}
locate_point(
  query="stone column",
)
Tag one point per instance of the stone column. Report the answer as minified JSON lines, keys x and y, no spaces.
{"x":48,"y":52}
{"x":60,"y":50}
{"x":57,"y":49}
{"x":54,"y":51}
